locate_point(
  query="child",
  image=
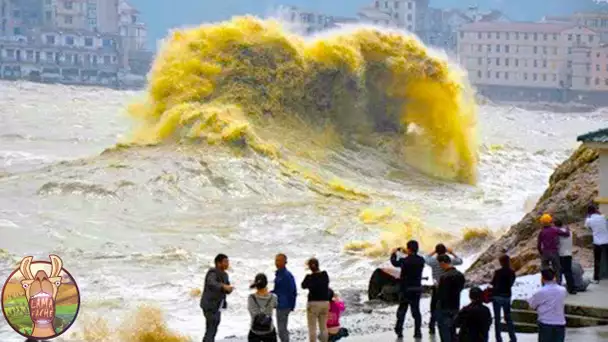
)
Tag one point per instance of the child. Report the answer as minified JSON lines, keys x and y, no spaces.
{"x":336,"y":308}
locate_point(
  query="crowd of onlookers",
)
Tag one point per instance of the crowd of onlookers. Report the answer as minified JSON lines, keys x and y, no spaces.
{"x":471,"y":323}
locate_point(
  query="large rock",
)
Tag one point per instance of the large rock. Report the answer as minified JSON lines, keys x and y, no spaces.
{"x":572,"y":187}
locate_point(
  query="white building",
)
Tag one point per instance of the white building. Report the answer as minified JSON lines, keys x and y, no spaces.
{"x":544,"y":58}
{"x":410,"y":15}
{"x":302,"y":21}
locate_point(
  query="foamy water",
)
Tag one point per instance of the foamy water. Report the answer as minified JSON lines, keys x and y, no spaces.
{"x":142,"y":225}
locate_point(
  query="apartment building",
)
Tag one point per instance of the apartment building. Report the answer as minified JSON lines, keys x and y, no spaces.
{"x":102,"y":16}
{"x":599,"y":65}
{"x":304,"y":22}
{"x":544,"y":59}
{"x":597,"y":21}
{"x":70,"y":14}
{"x":410,"y":15}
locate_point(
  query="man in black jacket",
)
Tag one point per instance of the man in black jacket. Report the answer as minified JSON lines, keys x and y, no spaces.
{"x":475,"y":319}
{"x":410,"y":286}
{"x":217,"y":286}
{"x":450,"y":285}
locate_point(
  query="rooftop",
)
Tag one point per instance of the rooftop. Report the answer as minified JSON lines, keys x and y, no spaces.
{"x":599,"y":136}
{"x":517,"y":27}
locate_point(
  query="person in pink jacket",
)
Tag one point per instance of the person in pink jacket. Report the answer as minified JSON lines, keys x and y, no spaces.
{"x":336,"y":308}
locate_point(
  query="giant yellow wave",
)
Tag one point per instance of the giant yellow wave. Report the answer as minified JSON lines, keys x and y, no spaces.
{"x":236,"y":82}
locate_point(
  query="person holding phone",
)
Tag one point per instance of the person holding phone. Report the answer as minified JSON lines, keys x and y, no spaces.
{"x":213,"y":300}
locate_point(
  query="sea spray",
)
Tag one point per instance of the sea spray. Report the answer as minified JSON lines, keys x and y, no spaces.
{"x":237,"y":81}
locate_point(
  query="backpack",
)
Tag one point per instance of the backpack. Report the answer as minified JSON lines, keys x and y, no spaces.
{"x":262,"y":321}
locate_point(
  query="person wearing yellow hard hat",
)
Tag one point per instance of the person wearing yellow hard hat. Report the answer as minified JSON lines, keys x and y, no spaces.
{"x":548,"y":244}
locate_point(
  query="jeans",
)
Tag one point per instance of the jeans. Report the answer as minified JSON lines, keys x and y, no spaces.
{"x":270,"y":337}
{"x":597,"y":255}
{"x":316,"y":314}
{"x":503,"y":304}
{"x":409,"y":299}
{"x":212,"y":322}
{"x":552,"y":259}
{"x":282,"y":322}
{"x":566,"y":266}
{"x":433,"y":312}
{"x":445,"y":322}
{"x":551,"y":333}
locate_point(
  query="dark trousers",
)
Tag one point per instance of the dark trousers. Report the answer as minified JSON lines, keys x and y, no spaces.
{"x":553,"y":260}
{"x":551,"y":333}
{"x":270,"y":337}
{"x":433,"y":320}
{"x":597,"y":255}
{"x":445,"y":322}
{"x":212,"y":321}
{"x":566,"y":266}
{"x":409,"y":299}
{"x":503,"y":304}
{"x":343,"y":332}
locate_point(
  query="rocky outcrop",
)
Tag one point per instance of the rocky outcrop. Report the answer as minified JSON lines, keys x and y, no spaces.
{"x":572,"y":187}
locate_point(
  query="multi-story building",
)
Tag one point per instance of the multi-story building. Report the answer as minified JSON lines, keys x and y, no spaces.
{"x":410,"y":15}
{"x":539,"y":60}
{"x":597,"y":21}
{"x":599,"y":65}
{"x":17,"y":16}
{"x":102,"y":16}
{"x":70,"y":14}
{"x":303,"y":21}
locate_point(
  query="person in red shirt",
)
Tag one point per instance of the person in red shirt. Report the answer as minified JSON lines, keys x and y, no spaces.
{"x":548,"y":243}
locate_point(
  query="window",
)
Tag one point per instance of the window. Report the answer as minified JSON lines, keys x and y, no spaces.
{"x":569,"y":64}
{"x":534,"y":77}
{"x":479,"y":61}
{"x":88,"y":42}
{"x":506,"y":61}
{"x":377,"y":4}
{"x":69,"y":40}
{"x":497,"y":48}
{"x":545,"y":63}
{"x":597,"y":81}
{"x":507,"y":35}
{"x":396,"y":4}
{"x":506,"y":75}
{"x":461,"y":35}
{"x":555,"y":51}
{"x":409,"y":5}
{"x":525,"y":36}
{"x":569,"y":37}
{"x":569,"y":50}
{"x":50,"y":40}
{"x":516,"y":35}
{"x":478,"y":35}
{"x":590,"y":38}
{"x":525,"y":76}
{"x":114,"y":59}
{"x":17,"y":31}
{"x":544,"y":50}
{"x":479,"y":48}
{"x":107,"y":60}
{"x":545,"y":37}
{"x":10,"y":53}
{"x":489,"y":35}
{"x":516,"y":62}
{"x":588,"y":66}
{"x":497,"y":61}
{"x":587,"y":80}
{"x":554,"y":78}
{"x":68,"y":19}
{"x":49,"y":56}
{"x":479,"y":75}
{"x":606,"y":81}
{"x":507,"y":48}
{"x":544,"y":77}
{"x":535,"y":49}
{"x":535,"y":36}
{"x":555,"y":36}
{"x":597,"y":67}
{"x":489,"y":48}
{"x":29,"y":55}
{"x":598,"y":55}
{"x":497,"y":35}
{"x":489,"y":62}
{"x":409,"y":17}
{"x":68,"y":5}
{"x":488,"y":74}
{"x":94,"y":60}
{"x":588,"y":54}
{"x":385,"y":5}
{"x":578,"y":38}
{"x":497,"y":74}
{"x":108,"y":43}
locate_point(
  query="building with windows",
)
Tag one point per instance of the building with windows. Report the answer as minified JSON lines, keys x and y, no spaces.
{"x":304,"y":22}
{"x":548,"y":61}
{"x":410,"y":15}
{"x":597,"y":21}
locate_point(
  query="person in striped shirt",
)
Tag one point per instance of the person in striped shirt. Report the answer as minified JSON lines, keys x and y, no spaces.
{"x":437,"y":271}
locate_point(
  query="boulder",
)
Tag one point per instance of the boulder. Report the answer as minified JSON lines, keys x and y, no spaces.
{"x":572,"y":187}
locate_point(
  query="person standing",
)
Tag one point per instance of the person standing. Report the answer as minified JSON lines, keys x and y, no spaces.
{"x":550,"y":306}
{"x":565,"y":256}
{"x":437,"y":271}
{"x":548,"y":243}
{"x":317,"y":309}
{"x":410,"y":289}
{"x":260,"y":305}
{"x":286,"y":290}
{"x":449,"y":288}
{"x":597,"y":223}
{"x":213,"y":300}
{"x":502,"y":284}
{"x":474,"y":320}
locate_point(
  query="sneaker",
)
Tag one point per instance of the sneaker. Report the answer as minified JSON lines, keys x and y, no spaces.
{"x":399,"y":333}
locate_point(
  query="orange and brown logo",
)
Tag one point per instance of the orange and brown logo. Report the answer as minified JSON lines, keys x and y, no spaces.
{"x":40,"y":299}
